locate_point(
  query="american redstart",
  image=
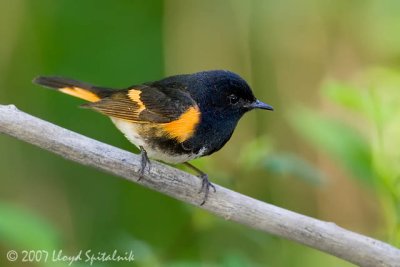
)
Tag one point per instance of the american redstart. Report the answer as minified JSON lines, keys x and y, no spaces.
{"x":176,"y":119}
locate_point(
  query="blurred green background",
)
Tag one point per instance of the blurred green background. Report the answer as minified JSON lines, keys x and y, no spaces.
{"x":330,"y":150}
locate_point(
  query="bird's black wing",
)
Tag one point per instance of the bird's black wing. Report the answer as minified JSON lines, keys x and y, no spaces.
{"x":146,"y":104}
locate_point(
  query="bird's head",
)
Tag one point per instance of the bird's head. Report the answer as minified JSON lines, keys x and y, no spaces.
{"x":227,"y":94}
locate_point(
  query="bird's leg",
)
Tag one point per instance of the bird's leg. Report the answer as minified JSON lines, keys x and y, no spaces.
{"x":144,"y":162}
{"x":205,"y":183}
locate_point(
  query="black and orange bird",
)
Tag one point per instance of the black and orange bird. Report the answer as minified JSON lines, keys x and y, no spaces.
{"x":176,"y":119}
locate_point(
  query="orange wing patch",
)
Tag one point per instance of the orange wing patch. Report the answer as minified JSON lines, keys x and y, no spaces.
{"x":183,"y":128}
{"x":134,"y":95}
{"x":80,"y":93}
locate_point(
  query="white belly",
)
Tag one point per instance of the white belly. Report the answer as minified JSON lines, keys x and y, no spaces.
{"x":131,"y":131}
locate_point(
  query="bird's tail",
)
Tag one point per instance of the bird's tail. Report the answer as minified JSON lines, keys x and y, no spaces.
{"x":78,"y":89}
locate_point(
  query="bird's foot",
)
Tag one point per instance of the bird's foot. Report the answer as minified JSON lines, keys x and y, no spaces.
{"x":205,"y":183}
{"x":144,"y":162}
{"x":205,"y":187}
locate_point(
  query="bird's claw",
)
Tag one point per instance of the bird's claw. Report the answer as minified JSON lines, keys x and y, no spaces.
{"x":205,"y":187}
{"x":145,"y":162}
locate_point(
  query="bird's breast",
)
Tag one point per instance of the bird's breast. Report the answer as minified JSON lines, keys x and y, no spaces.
{"x":157,"y":142}
{"x":212,"y":133}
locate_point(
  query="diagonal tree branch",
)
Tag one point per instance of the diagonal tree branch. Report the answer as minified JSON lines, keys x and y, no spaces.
{"x":324,"y":236}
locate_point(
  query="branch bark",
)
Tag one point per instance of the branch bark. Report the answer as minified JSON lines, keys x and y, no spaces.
{"x":230,"y":205}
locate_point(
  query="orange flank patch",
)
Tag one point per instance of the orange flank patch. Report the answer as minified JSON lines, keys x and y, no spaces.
{"x":80,"y":93}
{"x":183,"y":128}
{"x":134,"y":95}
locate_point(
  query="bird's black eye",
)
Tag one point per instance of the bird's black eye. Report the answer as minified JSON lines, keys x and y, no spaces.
{"x":233,"y":99}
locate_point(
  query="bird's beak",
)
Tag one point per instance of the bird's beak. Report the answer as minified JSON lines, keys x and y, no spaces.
{"x":260,"y":105}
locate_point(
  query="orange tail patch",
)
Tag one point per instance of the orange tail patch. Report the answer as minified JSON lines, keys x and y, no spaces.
{"x":80,"y":93}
